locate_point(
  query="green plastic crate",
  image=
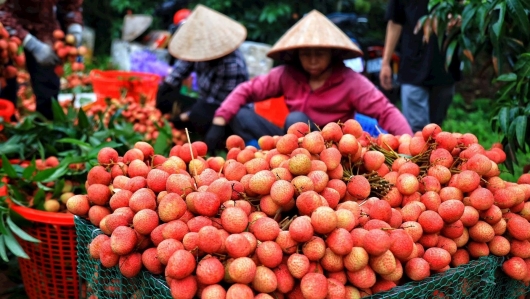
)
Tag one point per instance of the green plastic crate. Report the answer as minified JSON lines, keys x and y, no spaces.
{"x":476,"y":279}
{"x":105,"y":283}
{"x":508,"y":288}
{"x":479,"y":279}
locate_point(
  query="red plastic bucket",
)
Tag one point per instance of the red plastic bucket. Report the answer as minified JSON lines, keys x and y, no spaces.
{"x":114,"y":84}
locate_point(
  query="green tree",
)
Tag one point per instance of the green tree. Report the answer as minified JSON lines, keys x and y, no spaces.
{"x":106,"y":17}
{"x":266,"y":21}
{"x":501,"y":29}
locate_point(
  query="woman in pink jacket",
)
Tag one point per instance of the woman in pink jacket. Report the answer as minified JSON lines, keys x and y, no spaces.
{"x":315,"y":83}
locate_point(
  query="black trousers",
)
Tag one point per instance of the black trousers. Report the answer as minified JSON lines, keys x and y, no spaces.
{"x":45,"y":83}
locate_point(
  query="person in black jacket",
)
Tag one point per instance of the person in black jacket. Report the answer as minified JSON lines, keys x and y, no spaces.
{"x":427,"y":87}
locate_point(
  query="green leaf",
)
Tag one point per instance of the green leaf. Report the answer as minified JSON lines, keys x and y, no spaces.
{"x":506,"y":77}
{"x":74,"y":141}
{"x":44,"y":174}
{"x":17,"y":197}
{"x":503,"y":119}
{"x":28,"y":172}
{"x":422,"y":20}
{"x":509,"y":158}
{"x":497,"y":26}
{"x":520,"y":129}
{"x":481,"y":17}
{"x":161,"y":143}
{"x":94,"y":141}
{"x":262,"y":16}
{"x":271,"y":18}
{"x":450,"y":52}
{"x":3,"y":253}
{"x":58,"y":113}
{"x":58,"y":173}
{"x":514,"y":111}
{"x":14,"y":247}
{"x":467,"y":16}
{"x":114,"y":117}
{"x":511,"y":136}
{"x":505,"y":90}
{"x":520,"y":16}
{"x":3,"y":228}
{"x":8,"y":168}
{"x":526,"y":3}
{"x":58,"y":188}
{"x":42,"y":152}
{"x":41,"y":186}
{"x":83,"y":122}
{"x":19,"y":232}
{"x":433,"y":4}
{"x":38,"y":200}
{"x":8,"y":149}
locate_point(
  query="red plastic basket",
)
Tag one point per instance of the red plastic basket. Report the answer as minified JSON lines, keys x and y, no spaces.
{"x":274,"y":110}
{"x":51,"y":271}
{"x":112,"y":84}
{"x":7,"y":109}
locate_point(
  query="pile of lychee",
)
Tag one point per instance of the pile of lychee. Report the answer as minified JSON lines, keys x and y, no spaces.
{"x":326,"y":214}
{"x":66,"y":49}
{"x":145,"y":117}
{"x":11,"y":56}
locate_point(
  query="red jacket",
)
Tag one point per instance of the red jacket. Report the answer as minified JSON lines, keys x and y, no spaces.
{"x":344,"y":93}
{"x":39,"y":17}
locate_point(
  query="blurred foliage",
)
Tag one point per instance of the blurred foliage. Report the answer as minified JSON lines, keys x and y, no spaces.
{"x":500,"y":28}
{"x":265,"y":20}
{"x":106,"y":18}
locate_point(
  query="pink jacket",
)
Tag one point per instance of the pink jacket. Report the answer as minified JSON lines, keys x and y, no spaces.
{"x":344,"y":93}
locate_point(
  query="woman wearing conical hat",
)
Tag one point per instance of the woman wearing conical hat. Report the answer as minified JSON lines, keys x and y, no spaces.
{"x":316,"y":85}
{"x":207,"y":44}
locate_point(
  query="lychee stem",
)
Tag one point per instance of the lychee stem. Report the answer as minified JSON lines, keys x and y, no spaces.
{"x":191,"y":152}
{"x":278,"y":214}
{"x":387,"y":228}
{"x":285,"y":223}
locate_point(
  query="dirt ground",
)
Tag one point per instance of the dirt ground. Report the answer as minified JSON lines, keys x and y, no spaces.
{"x":10,"y":281}
{"x":479,"y":83}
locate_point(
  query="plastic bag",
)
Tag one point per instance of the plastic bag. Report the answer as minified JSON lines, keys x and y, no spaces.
{"x":146,"y":62}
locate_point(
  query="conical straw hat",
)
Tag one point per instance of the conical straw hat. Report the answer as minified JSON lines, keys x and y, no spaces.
{"x":206,"y":35}
{"x":313,"y":30}
{"x":134,"y":26}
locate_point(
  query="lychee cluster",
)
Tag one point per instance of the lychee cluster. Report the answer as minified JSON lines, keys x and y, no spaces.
{"x":66,"y":49}
{"x":146,"y":119}
{"x":326,"y":214}
{"x":11,"y":56}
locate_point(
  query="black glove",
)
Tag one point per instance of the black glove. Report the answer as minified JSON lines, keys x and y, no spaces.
{"x":165,"y":97}
{"x":214,"y":138}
